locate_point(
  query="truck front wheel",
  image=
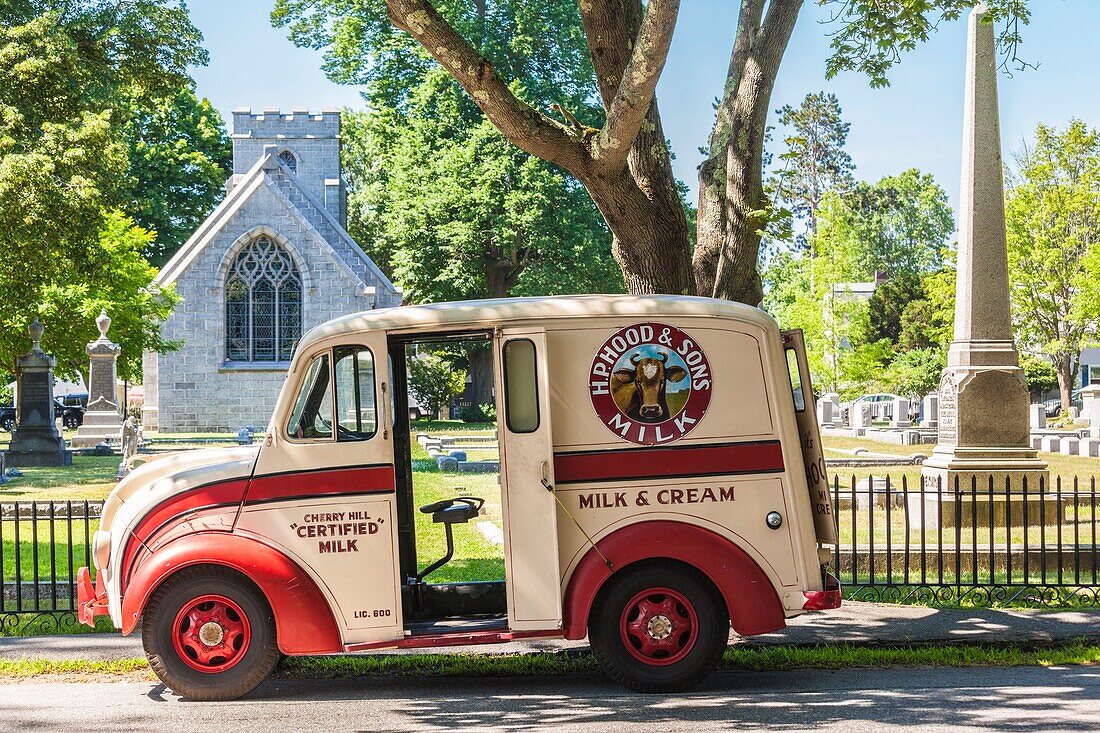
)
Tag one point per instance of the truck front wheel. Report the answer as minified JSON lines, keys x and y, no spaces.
{"x":659,"y":628}
{"x":209,"y":634}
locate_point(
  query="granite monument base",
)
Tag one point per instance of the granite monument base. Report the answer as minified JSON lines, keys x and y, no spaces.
{"x":37,"y":446}
{"x":971,"y":470}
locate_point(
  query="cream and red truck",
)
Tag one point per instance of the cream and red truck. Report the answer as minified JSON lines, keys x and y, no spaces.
{"x":660,"y":480}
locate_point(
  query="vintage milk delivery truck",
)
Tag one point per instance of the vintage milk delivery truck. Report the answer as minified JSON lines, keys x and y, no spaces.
{"x":660,"y":480}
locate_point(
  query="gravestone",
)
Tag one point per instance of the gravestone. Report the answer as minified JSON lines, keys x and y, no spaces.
{"x":984,"y":430}
{"x":1068,"y":445}
{"x":103,"y":419}
{"x":859,"y":415}
{"x":1090,"y":405}
{"x":828,"y":410}
{"x":36,"y":441}
{"x":900,"y":416}
{"x":1037,"y":416}
{"x":930,"y":411}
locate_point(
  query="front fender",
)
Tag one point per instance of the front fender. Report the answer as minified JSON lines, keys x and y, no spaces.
{"x":303,"y":620}
{"x":754,"y":606}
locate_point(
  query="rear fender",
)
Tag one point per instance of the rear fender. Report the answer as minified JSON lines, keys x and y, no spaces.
{"x":754,"y":606}
{"x":303,"y":619}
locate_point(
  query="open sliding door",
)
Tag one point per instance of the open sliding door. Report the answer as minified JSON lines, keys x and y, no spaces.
{"x":527,"y":478}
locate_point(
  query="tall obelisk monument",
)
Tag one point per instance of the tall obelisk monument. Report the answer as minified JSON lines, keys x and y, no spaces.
{"x":983,"y":418}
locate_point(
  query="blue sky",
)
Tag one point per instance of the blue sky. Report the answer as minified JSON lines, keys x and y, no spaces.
{"x":916,"y":122}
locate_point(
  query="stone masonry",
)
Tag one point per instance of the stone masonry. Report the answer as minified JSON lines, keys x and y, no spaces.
{"x":196,"y":388}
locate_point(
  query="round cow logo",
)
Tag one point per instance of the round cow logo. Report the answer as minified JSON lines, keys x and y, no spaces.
{"x":650,"y":383}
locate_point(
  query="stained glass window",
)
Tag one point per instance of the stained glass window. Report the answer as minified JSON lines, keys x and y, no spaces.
{"x":289,"y":161}
{"x":263,"y":304}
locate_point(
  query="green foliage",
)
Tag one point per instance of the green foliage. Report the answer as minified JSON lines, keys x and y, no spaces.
{"x":483,"y":413}
{"x":67,"y":72}
{"x":915,"y":373}
{"x":1053,"y":224}
{"x":929,"y":321}
{"x":902,"y":224}
{"x":1039,"y":373}
{"x":888,"y":303}
{"x":453,"y":211}
{"x":434,"y":381}
{"x":815,"y":161}
{"x":180,"y":157}
{"x":872,"y":35}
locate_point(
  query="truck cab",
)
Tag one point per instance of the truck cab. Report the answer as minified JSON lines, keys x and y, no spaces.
{"x":660,"y":482}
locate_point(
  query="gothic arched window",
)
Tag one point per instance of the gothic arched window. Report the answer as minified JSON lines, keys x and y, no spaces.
{"x":289,"y":161}
{"x":263,"y":304}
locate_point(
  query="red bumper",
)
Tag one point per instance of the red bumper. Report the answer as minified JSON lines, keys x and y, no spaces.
{"x":823,"y":600}
{"x":90,"y":601}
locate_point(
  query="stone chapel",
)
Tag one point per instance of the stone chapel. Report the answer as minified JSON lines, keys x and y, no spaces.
{"x":270,"y":262}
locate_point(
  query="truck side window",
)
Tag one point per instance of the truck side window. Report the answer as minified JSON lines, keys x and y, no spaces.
{"x":311,"y":418}
{"x":521,"y":396}
{"x":355,"y":405}
{"x":796,"y":380}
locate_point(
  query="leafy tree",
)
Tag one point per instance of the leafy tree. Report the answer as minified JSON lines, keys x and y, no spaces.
{"x":497,"y":51}
{"x":903,"y":223}
{"x":65,"y":70}
{"x":929,"y":321}
{"x":434,"y":381}
{"x":815,"y":161}
{"x":888,"y":304}
{"x":1039,"y":374}
{"x":179,"y":159}
{"x":915,"y":373}
{"x":1053,"y":225}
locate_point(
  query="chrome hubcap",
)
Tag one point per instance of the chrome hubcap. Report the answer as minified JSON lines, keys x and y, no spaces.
{"x":659,"y":627}
{"x":211,"y":634}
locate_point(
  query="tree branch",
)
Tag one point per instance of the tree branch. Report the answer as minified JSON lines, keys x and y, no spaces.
{"x":637,"y":86}
{"x":523,"y":125}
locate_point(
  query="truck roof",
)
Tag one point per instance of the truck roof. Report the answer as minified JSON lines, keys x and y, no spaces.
{"x":480,"y":314}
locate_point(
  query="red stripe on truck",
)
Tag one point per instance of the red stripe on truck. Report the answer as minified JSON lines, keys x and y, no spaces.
{"x":631,"y":464}
{"x":324,"y":482}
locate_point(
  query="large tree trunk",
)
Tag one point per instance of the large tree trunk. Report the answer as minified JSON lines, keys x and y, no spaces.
{"x":733,"y":210}
{"x":639,"y":203}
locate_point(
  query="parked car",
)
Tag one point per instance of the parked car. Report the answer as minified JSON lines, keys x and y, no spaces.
{"x":881,"y":405}
{"x":72,"y":416}
{"x":1054,"y":407}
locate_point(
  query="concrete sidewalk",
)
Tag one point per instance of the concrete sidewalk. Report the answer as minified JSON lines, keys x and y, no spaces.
{"x":854,"y":623}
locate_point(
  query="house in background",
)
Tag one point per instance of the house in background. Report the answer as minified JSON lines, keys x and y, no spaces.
{"x":269,"y":263}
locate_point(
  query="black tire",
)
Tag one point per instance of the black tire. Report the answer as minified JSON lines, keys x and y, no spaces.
{"x":8,"y":424}
{"x":252,"y":662}
{"x":71,"y":421}
{"x":695,"y":658}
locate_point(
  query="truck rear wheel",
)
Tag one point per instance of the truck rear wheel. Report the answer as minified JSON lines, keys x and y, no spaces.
{"x":209,"y":634}
{"x":659,"y":628}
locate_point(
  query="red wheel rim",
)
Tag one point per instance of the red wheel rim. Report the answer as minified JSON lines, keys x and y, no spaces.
{"x":211,"y":633}
{"x":659,"y":626}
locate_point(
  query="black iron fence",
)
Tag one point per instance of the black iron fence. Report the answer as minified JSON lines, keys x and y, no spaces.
{"x":1008,"y":542}
{"x":42,"y":544}
{"x":967,"y":542}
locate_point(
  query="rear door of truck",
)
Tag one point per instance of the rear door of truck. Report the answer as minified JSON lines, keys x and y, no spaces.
{"x":817,"y":480}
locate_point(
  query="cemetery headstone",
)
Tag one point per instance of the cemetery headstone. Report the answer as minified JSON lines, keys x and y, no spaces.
{"x":1037,"y":416}
{"x":1090,"y":404}
{"x":36,"y":441}
{"x":900,"y":414}
{"x":930,"y":411}
{"x":859,"y":415}
{"x":103,"y":418}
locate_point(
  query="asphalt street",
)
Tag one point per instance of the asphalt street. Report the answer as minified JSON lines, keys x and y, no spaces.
{"x":989,"y":699}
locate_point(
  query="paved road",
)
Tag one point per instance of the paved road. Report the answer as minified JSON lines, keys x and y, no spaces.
{"x":986,"y":699}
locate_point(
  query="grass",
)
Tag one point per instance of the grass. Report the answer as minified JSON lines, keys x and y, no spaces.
{"x":745,"y":657}
{"x":90,"y":477}
{"x":55,"y":565}
{"x":475,"y":558}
